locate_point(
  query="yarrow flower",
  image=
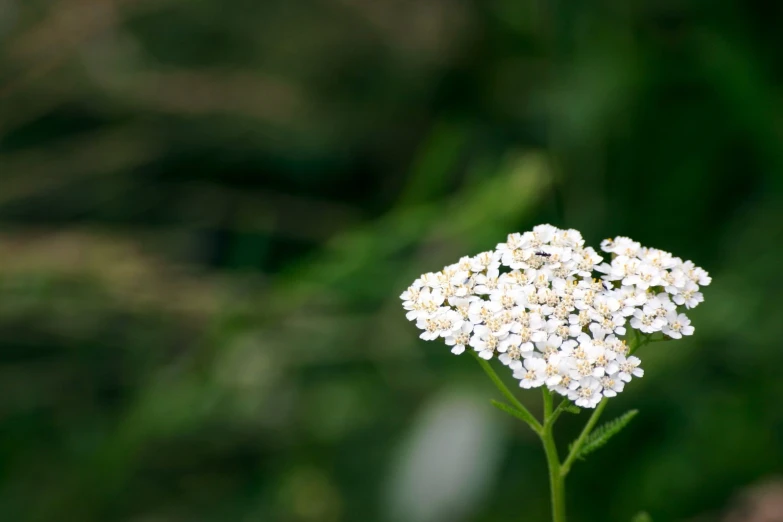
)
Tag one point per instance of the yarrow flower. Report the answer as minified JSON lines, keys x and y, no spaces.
{"x":534,"y":303}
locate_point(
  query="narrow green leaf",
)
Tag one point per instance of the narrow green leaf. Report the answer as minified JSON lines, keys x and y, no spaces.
{"x":603,"y":433}
{"x":571,"y":408}
{"x":642,"y":516}
{"x":502,"y":406}
{"x":519,"y":408}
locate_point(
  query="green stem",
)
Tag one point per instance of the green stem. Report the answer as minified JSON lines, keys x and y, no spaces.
{"x":523,"y":413}
{"x":547,"y":405}
{"x":560,"y":409}
{"x":556,"y":477}
{"x":566,"y":467}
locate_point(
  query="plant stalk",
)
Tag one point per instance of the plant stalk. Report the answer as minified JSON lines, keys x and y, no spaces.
{"x":566,"y":467}
{"x":522,"y":412}
{"x":556,"y":478}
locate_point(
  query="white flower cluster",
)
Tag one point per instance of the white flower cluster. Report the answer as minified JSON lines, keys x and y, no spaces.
{"x":533,"y":303}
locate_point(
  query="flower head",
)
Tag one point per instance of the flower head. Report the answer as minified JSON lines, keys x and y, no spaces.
{"x":554,"y":312}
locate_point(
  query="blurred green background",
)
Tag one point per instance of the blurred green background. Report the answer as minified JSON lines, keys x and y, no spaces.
{"x":208,"y":210}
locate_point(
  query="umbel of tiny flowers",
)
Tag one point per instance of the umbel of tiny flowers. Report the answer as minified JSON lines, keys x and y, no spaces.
{"x":560,"y":317}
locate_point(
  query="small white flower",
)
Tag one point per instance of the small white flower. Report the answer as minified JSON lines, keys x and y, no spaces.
{"x":612,"y":385}
{"x":645,"y":277}
{"x":700,"y":276}
{"x":485,"y":261}
{"x":566,"y":385}
{"x":507,"y":297}
{"x":625,"y":246}
{"x":543,"y":234}
{"x":487,"y":282}
{"x":485,"y":346}
{"x":677,"y":325}
{"x":429,"y":280}
{"x":589,"y":260}
{"x":605,"y":305}
{"x":448,"y":322}
{"x":430,"y":327}
{"x":582,"y":368}
{"x":533,"y":374}
{"x":427,"y":305}
{"x":550,"y":345}
{"x":631,"y":297}
{"x":646,"y":323}
{"x":695,"y":273}
{"x":460,"y":338}
{"x":497,"y":326}
{"x":659,"y":305}
{"x":657,"y":258}
{"x":513,"y":354}
{"x":674,"y":280}
{"x":588,"y":395}
{"x":689,"y":295}
{"x":557,"y":367}
{"x":481,"y":311}
{"x":625,"y":367}
{"x":410,"y":297}
{"x":624,"y":267}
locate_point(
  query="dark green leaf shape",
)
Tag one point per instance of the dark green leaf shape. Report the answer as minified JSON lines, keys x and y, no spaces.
{"x":603,"y":433}
{"x":502,"y":406}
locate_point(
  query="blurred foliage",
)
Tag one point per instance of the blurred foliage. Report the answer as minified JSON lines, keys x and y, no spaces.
{"x":208,"y":210}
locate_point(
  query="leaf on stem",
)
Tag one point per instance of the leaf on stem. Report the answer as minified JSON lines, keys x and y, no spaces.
{"x":603,"y":433}
{"x":502,"y":406}
{"x":572,"y":408}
